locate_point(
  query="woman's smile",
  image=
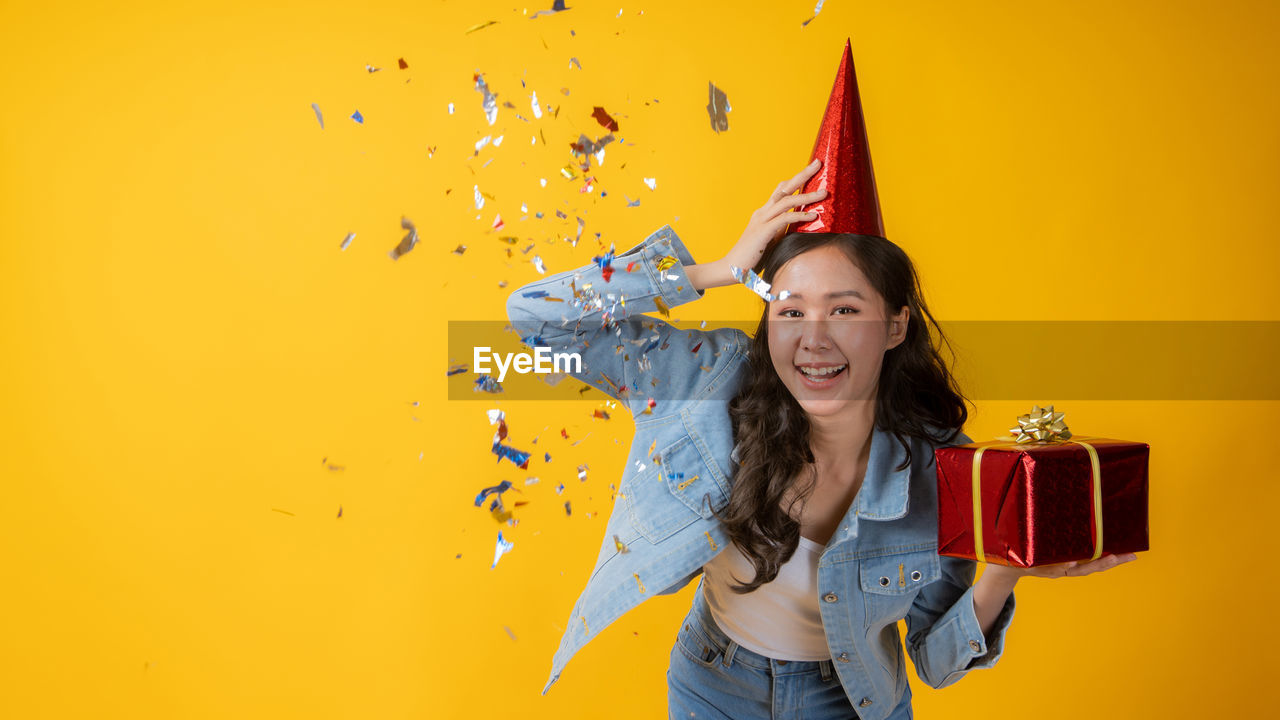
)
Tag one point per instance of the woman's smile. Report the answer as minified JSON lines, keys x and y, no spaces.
{"x":821,"y":376}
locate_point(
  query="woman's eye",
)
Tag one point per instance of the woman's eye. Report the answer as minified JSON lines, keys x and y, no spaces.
{"x":852,"y":311}
{"x":790,"y":313}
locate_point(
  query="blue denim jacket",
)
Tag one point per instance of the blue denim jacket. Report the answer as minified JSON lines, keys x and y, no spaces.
{"x":880,"y":566}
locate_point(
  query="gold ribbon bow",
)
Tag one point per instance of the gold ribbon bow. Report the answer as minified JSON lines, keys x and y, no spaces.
{"x":1042,"y":427}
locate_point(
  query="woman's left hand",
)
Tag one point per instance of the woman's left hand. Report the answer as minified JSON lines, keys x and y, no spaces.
{"x":1074,"y":568}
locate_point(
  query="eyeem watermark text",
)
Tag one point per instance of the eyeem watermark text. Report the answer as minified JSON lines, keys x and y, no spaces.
{"x":542,"y":361}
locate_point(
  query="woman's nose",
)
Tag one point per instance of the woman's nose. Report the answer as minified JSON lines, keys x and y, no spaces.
{"x":814,"y":336}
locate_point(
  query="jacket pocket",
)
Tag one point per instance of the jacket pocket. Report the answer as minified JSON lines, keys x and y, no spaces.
{"x":890,"y":583}
{"x":667,"y":496}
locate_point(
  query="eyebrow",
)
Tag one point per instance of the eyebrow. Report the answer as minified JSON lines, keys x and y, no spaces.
{"x":839,"y":293}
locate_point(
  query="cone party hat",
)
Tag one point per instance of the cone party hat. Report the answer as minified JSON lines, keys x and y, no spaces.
{"x":851,"y":204}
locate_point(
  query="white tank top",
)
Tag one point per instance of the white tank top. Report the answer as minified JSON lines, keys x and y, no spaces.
{"x":780,"y":619}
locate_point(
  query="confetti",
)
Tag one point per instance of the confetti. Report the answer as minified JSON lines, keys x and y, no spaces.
{"x":621,"y":546}
{"x":500,"y":549}
{"x":456,"y":369}
{"x":488,"y":384}
{"x":556,"y":6}
{"x":662,"y":307}
{"x":481,"y":143}
{"x":371,"y":69}
{"x":497,"y":222}
{"x":582,"y":473}
{"x":450,"y":108}
{"x":573,"y":62}
{"x":479,"y":197}
{"x":816,"y":9}
{"x":756,"y":284}
{"x":631,"y":203}
{"x":357,"y":117}
{"x":480,"y":26}
{"x":409,"y":240}
{"x":651,"y":183}
{"x":717,"y":107}
{"x":535,"y":294}
{"x":600,"y":414}
{"x":568,"y":511}
{"x":518,"y":458}
{"x":649,"y":405}
{"x":537,"y":109}
{"x":513,"y":635}
{"x":460,"y":249}
{"x":638,"y":583}
{"x":319,"y":117}
{"x":537,"y":265}
{"x":604,"y":118}
{"x":347,"y":241}
{"x":498,"y":489}
{"x":490,"y":100}
{"x":403,"y":65}
{"x":560,"y":488}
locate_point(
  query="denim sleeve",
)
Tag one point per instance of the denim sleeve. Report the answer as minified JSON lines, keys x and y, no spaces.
{"x":944,"y":639}
{"x":625,"y":354}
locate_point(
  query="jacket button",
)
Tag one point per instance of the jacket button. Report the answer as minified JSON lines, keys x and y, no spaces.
{"x":915,"y":575}
{"x":975,"y":646}
{"x":844,"y":657}
{"x":830,"y":597}
{"x":865,"y":702}
{"x":884,"y":581}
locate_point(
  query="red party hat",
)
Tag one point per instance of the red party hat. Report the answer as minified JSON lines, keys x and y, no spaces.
{"x":851,"y":204}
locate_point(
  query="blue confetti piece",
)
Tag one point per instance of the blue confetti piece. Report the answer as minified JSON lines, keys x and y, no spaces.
{"x":535,"y":294}
{"x":500,"y":549}
{"x":520,"y":459}
{"x":500,"y":488}
{"x":357,"y":117}
{"x":546,"y":457}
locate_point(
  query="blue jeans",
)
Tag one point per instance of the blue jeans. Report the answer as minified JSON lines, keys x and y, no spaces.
{"x":713,"y":678}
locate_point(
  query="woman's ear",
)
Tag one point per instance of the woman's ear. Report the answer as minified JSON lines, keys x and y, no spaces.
{"x":898,"y":327}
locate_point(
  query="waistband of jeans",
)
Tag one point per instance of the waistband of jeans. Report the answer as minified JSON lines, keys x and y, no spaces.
{"x":749,"y":657}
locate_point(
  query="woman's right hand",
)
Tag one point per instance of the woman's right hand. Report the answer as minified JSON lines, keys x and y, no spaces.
{"x":768,"y":223}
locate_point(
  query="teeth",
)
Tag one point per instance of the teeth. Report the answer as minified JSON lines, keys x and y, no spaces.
{"x":821,"y":371}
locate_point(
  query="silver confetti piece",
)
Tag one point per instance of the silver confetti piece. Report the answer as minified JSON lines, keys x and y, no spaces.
{"x":490,"y":99}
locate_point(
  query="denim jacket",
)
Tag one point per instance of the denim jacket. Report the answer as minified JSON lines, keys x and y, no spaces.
{"x":880,"y":566}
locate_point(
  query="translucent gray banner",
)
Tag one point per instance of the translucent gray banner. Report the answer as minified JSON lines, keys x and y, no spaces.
{"x":1049,"y":361}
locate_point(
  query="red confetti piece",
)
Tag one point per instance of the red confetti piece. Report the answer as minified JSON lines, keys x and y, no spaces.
{"x":603,"y":118}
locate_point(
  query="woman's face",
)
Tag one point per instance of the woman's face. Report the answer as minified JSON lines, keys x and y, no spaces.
{"x":827,"y":340}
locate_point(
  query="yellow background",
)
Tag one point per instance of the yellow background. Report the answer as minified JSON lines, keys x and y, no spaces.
{"x":184,"y":343}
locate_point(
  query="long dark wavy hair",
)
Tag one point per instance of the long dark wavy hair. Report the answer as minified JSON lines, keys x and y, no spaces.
{"x":771,"y":431}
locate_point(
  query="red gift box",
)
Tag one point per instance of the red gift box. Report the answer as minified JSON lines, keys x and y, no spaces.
{"x":1040,"y":503}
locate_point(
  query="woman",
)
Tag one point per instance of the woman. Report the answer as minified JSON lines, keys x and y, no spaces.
{"x":794,"y":468}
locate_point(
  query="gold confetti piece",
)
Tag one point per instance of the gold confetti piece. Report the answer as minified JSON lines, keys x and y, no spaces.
{"x":481,"y":26}
{"x":711,"y":540}
{"x":621,"y":546}
{"x":640,"y":584}
{"x":585,"y":629}
{"x":686,"y":483}
{"x":662,"y":307}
